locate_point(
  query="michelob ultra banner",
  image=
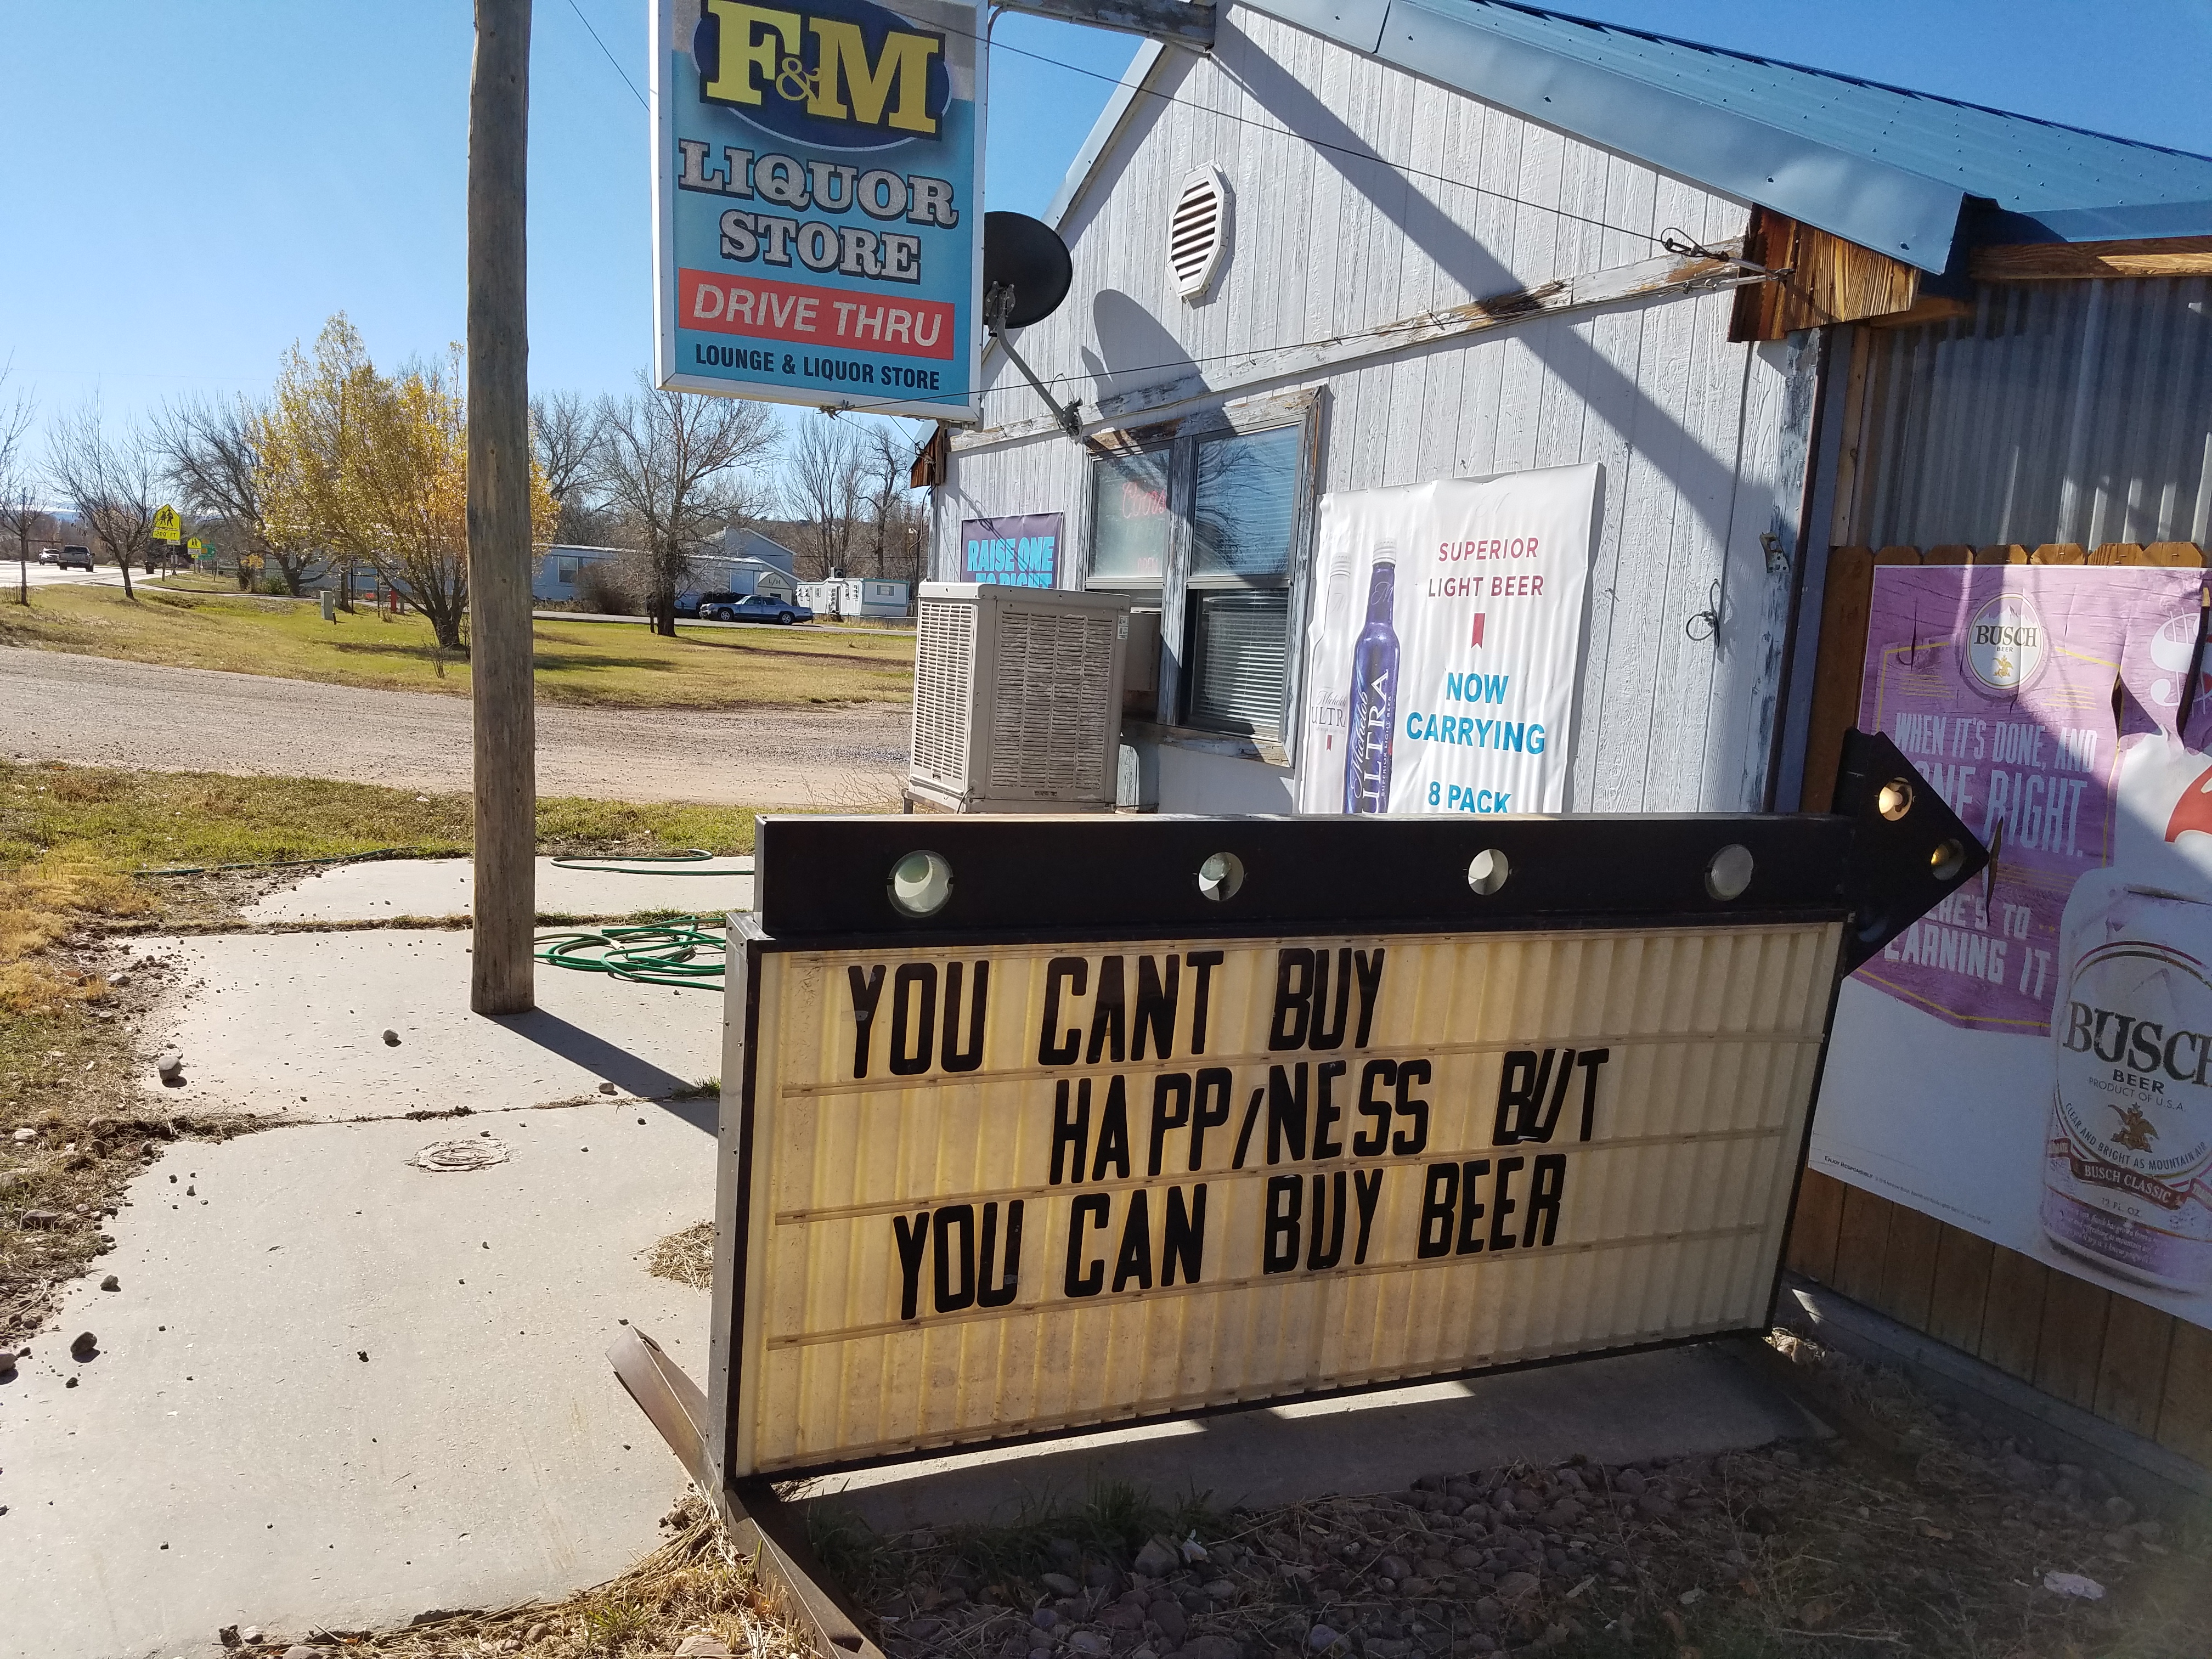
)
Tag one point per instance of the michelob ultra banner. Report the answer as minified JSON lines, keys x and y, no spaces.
{"x":2033,"y":1063}
{"x":817,"y":203}
{"x":1441,"y":663}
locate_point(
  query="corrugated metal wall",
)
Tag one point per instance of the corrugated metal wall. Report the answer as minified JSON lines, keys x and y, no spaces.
{"x":2059,"y":412}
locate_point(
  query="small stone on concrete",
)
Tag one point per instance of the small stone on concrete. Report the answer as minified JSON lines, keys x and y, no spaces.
{"x":7,"y":1361}
{"x":608,"y":1089}
{"x":391,"y":1039}
{"x":251,"y":1633}
{"x":170,"y":1066}
{"x":85,"y":1346}
{"x":227,"y":1636}
{"x":111,"y":1283}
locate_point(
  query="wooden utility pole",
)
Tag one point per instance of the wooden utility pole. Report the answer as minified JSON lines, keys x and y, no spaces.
{"x":501,"y":979}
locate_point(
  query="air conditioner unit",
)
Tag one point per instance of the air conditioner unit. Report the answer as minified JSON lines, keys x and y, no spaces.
{"x":1017,"y":698}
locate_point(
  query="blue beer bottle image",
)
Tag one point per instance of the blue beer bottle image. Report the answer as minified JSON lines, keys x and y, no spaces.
{"x":1374,"y":696}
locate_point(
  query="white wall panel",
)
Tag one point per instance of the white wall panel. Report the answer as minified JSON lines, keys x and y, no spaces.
{"x":1689,"y":428}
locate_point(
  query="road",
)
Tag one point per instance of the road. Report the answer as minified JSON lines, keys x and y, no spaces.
{"x":95,"y":711}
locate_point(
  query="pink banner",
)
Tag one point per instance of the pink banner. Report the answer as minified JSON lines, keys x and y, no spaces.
{"x":2000,"y":683}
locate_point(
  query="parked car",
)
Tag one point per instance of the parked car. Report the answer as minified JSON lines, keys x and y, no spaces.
{"x":751,"y":607}
{"x":68,"y":558}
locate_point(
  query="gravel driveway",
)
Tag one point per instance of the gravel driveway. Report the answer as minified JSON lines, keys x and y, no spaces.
{"x":96,"y":711}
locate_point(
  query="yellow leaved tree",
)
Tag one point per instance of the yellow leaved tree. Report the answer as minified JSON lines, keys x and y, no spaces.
{"x":375,"y":467}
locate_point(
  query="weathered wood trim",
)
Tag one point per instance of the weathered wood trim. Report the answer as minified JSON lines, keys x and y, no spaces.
{"x":1647,"y":279}
{"x":1827,"y":280}
{"x":2059,"y":262}
{"x":1928,"y":308}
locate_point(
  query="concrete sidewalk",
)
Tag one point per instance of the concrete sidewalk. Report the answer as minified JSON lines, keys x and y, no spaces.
{"x":1688,"y":1401}
{"x":292,"y":1024}
{"x":230,"y":1458}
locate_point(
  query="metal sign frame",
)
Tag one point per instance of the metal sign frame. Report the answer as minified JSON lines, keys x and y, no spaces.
{"x":959,"y":404}
{"x":1891,"y":852}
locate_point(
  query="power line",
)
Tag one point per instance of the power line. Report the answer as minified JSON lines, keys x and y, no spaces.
{"x":1317,"y":143}
{"x":610,"y":56}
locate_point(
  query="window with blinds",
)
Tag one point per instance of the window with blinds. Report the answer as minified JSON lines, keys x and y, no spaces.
{"x":1243,"y":508}
{"x":1209,"y":523}
{"x":1240,"y":661}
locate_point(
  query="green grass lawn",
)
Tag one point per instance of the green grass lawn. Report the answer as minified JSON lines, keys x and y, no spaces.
{"x":605,"y":664}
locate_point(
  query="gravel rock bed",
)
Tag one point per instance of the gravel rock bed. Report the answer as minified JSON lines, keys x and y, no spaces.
{"x":1932,"y":1533}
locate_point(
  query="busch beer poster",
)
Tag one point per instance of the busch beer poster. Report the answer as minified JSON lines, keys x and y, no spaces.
{"x":1441,"y":660}
{"x":817,"y":203}
{"x":2037,"y":1068}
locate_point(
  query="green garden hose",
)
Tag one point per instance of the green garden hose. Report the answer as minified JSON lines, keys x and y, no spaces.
{"x":626,"y":864}
{"x":651,"y":953}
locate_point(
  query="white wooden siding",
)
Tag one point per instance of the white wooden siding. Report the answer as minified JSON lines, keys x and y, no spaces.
{"x":1702,"y":441}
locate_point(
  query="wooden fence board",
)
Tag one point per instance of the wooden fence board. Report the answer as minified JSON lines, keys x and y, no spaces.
{"x":1845,"y":611}
{"x":1948,"y":553}
{"x":2002,"y":553}
{"x":1813,"y":1229}
{"x":2131,"y":1369}
{"x":2074,"y":1315}
{"x":1962,"y":1285}
{"x":1861,"y":1244}
{"x":2012,"y":1317}
{"x":2184,"y":1413}
{"x":2186,"y":556}
{"x":2059,"y":553}
{"x":1908,"y":1268}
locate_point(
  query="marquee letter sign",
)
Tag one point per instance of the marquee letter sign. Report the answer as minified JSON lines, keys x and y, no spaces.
{"x":1037,"y":1126}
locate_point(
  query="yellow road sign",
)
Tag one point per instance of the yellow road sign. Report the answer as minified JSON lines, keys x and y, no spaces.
{"x":167,"y":525}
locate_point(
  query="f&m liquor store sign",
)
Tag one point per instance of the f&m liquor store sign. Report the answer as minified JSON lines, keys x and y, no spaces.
{"x":1052,"y":1124}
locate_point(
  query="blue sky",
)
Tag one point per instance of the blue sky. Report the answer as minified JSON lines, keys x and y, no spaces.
{"x":188,"y":188}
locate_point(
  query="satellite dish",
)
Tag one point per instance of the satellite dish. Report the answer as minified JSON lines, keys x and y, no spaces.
{"x":1024,"y":259}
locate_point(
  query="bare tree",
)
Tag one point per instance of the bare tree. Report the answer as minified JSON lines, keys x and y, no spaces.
{"x":565,"y":430}
{"x":676,"y":465}
{"x":213,"y":455}
{"x":108,"y":482}
{"x":22,"y":517}
{"x":895,"y":512}
{"x":825,"y":489}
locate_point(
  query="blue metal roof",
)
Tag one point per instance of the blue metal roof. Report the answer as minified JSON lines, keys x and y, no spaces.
{"x":1886,"y":167}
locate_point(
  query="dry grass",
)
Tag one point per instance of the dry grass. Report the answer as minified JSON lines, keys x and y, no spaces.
{"x":612,"y":664}
{"x":687,"y":1257}
{"x":71,"y":839}
{"x":693,"y":1584}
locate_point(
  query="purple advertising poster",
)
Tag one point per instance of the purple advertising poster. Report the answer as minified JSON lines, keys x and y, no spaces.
{"x":2033,"y":1060}
{"x":1017,"y":552}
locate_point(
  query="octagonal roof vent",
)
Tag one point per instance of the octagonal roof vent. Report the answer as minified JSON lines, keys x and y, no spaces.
{"x":1198,"y":231}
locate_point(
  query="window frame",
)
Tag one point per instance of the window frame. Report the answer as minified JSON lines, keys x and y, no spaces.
{"x":1181,"y":439}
